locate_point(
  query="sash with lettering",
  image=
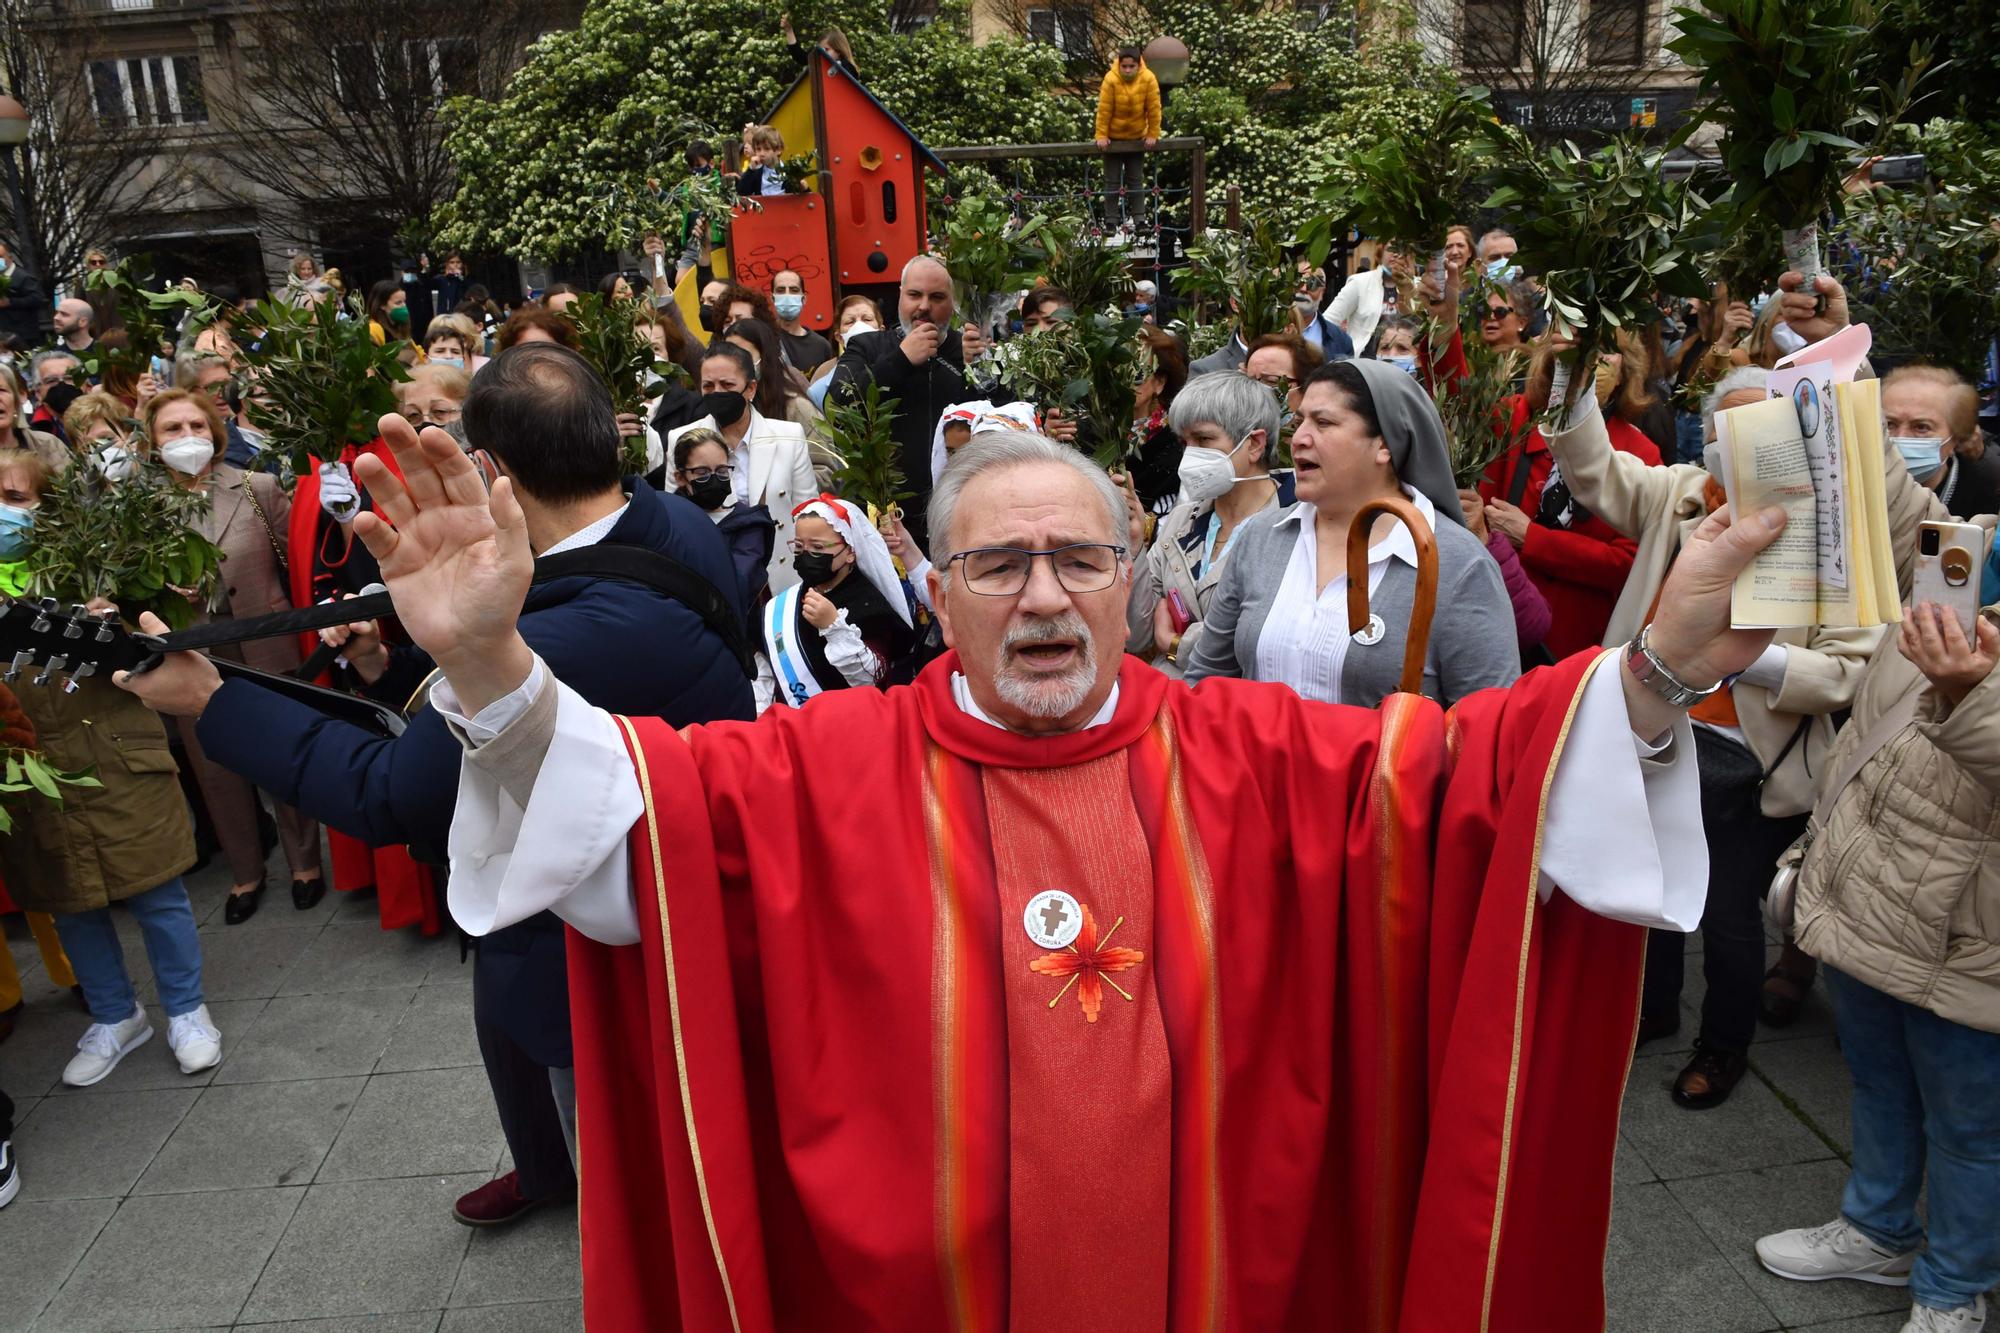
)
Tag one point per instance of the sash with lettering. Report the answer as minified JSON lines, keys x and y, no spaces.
{"x":1315,"y":1056}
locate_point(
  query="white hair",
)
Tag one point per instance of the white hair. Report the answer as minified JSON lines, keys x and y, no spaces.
{"x":996,"y":451}
{"x":1743,"y":379}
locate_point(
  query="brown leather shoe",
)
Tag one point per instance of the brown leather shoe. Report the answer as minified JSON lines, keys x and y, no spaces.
{"x":496,"y":1203}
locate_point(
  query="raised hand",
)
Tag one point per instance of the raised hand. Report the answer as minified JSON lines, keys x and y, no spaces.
{"x":1692,"y":634}
{"x":457,"y":564}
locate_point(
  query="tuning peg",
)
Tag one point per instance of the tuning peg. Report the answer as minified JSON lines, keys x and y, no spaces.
{"x":23,"y":658}
{"x":74,"y":629}
{"x":85,"y":669}
{"x":55,"y":664}
{"x":46,"y":608}
{"x":107,"y":622}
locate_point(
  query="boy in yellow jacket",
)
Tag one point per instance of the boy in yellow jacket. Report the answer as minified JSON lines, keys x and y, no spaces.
{"x":1128,"y":107}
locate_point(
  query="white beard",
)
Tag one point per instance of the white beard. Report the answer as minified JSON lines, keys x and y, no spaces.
{"x":1038,"y":694}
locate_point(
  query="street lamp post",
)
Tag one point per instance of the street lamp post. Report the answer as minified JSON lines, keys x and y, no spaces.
{"x":1167,"y":57}
{"x":14,"y":129}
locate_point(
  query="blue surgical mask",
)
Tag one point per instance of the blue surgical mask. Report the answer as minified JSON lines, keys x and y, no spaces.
{"x":1142,"y":309}
{"x":1406,"y":364}
{"x":1922,"y":454}
{"x":16,"y":525}
{"x":789,"y":305}
{"x":1500,"y":270}
{"x":458,"y":361}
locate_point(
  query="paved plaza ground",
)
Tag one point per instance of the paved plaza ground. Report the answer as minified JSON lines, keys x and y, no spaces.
{"x":306,"y":1183}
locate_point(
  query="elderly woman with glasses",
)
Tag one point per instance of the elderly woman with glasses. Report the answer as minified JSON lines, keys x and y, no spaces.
{"x":846,"y":622}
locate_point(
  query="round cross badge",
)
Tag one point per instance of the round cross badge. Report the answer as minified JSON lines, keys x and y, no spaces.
{"x":1054,"y":919}
{"x":1370,"y":633}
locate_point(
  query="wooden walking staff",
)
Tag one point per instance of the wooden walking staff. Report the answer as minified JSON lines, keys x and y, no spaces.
{"x":1419,"y":641}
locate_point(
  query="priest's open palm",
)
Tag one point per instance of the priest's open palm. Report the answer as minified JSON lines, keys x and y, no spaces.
{"x":457,"y":564}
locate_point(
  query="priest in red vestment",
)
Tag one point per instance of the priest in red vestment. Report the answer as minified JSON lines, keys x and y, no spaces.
{"x":1047,"y":993}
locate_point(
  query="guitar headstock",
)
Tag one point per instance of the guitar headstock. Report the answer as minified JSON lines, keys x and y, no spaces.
{"x":73,"y":641}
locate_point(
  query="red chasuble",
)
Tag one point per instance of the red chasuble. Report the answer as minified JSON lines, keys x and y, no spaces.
{"x":1317,"y":1059}
{"x":405,"y":894}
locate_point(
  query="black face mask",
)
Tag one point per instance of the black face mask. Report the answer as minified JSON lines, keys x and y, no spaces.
{"x":710,"y":493}
{"x":813,"y":567}
{"x":707,"y":317}
{"x":726,"y":406}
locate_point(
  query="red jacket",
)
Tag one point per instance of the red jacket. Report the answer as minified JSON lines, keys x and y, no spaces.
{"x":1577,"y":559}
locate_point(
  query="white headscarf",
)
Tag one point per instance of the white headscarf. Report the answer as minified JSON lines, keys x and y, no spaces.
{"x":983,"y":417}
{"x":871,"y":553}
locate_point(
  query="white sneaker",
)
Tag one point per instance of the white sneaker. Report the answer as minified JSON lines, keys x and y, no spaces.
{"x":10,"y":1174}
{"x":197,"y":1044}
{"x":1837,"y":1249}
{"x":1965,"y":1319}
{"x":104,"y":1045}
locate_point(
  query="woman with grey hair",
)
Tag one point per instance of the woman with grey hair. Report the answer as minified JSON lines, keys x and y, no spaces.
{"x":1366,"y":431}
{"x":1228,"y":425}
{"x":1759,"y":742}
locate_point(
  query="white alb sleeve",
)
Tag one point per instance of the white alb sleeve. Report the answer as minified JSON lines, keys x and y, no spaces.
{"x":1623,"y":835}
{"x":565,"y":850}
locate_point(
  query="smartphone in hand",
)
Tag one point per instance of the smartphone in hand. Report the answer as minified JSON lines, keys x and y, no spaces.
{"x":1949,"y":558}
{"x":1177,"y":611}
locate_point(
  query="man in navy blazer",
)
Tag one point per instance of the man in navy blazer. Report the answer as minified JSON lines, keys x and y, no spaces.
{"x":543,"y":416}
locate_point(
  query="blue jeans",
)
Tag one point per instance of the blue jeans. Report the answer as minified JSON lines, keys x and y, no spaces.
{"x":1687,"y":435}
{"x":167,"y":921}
{"x":1926,"y":1093}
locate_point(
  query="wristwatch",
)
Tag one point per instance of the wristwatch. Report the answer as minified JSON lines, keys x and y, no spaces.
{"x":1647,"y":668}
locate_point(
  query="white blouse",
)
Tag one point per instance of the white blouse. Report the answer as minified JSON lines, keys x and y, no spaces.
{"x":1304,"y":639}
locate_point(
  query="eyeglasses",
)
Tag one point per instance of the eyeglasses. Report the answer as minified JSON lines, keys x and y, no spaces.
{"x":804,"y":548}
{"x":1315,"y":283}
{"x":96,"y":263}
{"x":1002,"y":571}
{"x":704,"y":473}
{"x":443,"y":416}
{"x":1499,"y":311}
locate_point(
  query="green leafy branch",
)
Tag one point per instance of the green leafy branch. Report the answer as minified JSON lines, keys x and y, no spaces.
{"x":990,"y":252}
{"x":1605,"y":229}
{"x":1786,"y":81}
{"x":322,"y":382}
{"x":1410,"y":184}
{"x":608,"y":336}
{"x":862,"y":431}
{"x":26,"y":770}
{"x":150,"y":318}
{"x":136,"y":543}
{"x":1249,"y":271}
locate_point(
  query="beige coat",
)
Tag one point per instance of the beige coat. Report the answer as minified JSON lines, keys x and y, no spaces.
{"x":252,"y":584}
{"x":1658,"y":507}
{"x":1901,"y":888}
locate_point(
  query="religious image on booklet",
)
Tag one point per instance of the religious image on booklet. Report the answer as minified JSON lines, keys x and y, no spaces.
{"x":1813,"y":448}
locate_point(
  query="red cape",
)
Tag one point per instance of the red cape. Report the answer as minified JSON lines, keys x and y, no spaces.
{"x":405,"y":893}
{"x":1396,"y":1074}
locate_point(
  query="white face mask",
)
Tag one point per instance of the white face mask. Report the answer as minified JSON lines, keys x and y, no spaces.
{"x":1787,"y":341}
{"x":1206,"y":474}
{"x":115,"y":461}
{"x":188,"y":455}
{"x":861,"y":326}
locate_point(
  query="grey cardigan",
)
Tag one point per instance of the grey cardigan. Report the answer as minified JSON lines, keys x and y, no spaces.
{"x":1473,"y":644}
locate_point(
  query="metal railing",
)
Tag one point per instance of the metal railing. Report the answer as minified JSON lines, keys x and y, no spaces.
{"x":1163,"y":214}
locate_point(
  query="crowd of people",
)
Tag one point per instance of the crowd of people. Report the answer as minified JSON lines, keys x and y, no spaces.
{"x":1865,"y":757}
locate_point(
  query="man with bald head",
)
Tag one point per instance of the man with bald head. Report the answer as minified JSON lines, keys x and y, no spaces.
{"x":921,"y":364}
{"x":73,"y":325}
{"x":1046,"y":992}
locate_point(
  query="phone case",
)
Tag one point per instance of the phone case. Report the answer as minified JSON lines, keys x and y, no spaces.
{"x":1177,"y":610}
{"x":1950,"y":576}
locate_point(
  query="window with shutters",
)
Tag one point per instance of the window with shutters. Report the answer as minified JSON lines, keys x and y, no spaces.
{"x":147,"y":90}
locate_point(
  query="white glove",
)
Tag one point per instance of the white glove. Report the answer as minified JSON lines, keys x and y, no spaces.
{"x":337,"y":493}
